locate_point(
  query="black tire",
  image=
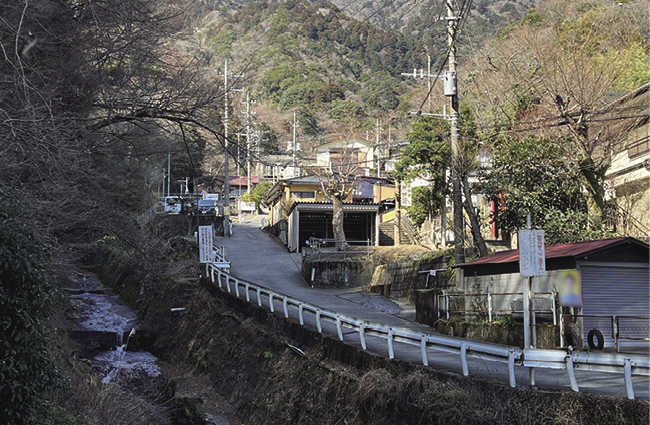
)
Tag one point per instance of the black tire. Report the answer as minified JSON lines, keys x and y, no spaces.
{"x":599,"y":339}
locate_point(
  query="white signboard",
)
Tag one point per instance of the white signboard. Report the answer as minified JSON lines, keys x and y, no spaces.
{"x":247,"y":206}
{"x":206,"y":253}
{"x":532,"y":255}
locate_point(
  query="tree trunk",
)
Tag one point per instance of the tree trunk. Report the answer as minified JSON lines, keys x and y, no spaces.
{"x":397,"y":236}
{"x":595,"y":186}
{"x":337,"y":224}
{"x":473,"y":219}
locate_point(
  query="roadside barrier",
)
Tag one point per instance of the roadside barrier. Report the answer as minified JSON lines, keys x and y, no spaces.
{"x":536,"y":358}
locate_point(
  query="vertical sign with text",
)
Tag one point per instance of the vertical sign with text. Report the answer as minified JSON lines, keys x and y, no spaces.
{"x":206,"y":253}
{"x":532,"y":255}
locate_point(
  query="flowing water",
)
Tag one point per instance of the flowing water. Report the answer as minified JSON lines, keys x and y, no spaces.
{"x":98,"y":310}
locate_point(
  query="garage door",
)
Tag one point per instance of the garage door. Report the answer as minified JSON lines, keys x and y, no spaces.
{"x":621,"y":290}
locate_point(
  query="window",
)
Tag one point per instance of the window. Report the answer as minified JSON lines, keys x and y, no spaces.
{"x":303,"y":195}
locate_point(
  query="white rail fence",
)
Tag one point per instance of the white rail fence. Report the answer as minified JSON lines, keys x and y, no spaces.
{"x":552,"y":359}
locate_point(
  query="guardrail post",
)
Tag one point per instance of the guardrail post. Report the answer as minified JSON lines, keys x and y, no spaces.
{"x":463,"y":357}
{"x":489,"y":297}
{"x":627,"y":362}
{"x":259,"y":297}
{"x":248,"y":296}
{"x":237,"y":287}
{"x":228,"y":283}
{"x":391,"y":353}
{"x":271,"y":303}
{"x":338,"y":327}
{"x":318,"y":324}
{"x":362,"y":335}
{"x":423,"y":348}
{"x":511,"y":368}
{"x":219,"y":278}
{"x":554,"y":309}
{"x":572,"y":376}
{"x":302,"y":320}
{"x":284,"y":307}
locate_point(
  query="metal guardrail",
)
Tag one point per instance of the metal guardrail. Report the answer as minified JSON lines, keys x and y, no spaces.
{"x":220,"y":258}
{"x":536,"y":358}
{"x":464,"y":347}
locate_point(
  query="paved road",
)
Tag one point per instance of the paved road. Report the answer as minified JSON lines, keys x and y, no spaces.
{"x":259,"y":258}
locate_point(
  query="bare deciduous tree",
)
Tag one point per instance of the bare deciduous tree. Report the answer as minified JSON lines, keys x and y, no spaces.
{"x":555,"y":75}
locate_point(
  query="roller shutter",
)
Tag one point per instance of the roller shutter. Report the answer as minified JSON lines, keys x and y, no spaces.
{"x":621,"y":290}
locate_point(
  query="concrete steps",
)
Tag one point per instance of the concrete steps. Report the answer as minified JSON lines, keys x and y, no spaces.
{"x":387,"y":235}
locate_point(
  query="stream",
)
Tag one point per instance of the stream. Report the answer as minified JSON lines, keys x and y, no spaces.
{"x":109,"y":333}
{"x":107,"y":326}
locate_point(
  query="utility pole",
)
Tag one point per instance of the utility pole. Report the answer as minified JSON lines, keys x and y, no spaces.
{"x":294,"y":145}
{"x":169,"y":169}
{"x":248,"y":113}
{"x":429,"y":78}
{"x":378,"y":148}
{"x":451,"y":90}
{"x":226,"y":183}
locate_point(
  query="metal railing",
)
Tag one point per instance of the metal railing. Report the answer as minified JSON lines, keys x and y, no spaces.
{"x":489,"y":304}
{"x":317,"y":244}
{"x":632,"y":328}
{"x":220,"y":258}
{"x":553,"y":359}
{"x":463,"y":347}
{"x":410,"y":229}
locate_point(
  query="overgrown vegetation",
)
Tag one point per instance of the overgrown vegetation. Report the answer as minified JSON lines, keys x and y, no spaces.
{"x":28,"y":297}
{"x":538,"y":176}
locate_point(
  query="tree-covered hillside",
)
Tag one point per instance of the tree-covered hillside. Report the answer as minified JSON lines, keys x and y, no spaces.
{"x":336,"y":72}
{"x":340,"y":73}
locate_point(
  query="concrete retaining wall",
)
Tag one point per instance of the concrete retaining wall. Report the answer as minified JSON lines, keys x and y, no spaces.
{"x":402,"y":278}
{"x":336,"y":272}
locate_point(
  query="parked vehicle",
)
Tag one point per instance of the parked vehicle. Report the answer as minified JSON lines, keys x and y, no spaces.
{"x":173,"y":205}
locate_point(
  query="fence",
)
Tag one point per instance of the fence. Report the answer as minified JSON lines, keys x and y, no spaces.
{"x":553,"y":359}
{"x":491,"y":304}
{"x":632,"y":328}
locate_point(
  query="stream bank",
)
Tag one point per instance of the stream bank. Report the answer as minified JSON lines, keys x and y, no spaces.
{"x":112,"y":348}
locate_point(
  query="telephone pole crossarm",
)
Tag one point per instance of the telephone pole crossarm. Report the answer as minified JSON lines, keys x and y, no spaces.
{"x":424,"y":114}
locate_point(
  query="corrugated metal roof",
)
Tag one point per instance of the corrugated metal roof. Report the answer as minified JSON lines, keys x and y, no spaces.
{"x":574,"y":249}
{"x":242,"y":181}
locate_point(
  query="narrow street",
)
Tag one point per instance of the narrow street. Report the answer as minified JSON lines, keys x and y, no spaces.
{"x":259,"y":258}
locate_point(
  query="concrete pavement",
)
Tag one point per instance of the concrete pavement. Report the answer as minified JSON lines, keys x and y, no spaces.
{"x":259,"y":258}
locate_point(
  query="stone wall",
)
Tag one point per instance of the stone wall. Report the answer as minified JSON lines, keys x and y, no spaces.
{"x":279,"y":230}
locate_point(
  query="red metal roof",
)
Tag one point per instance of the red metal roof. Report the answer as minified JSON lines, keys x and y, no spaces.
{"x":242,"y":181}
{"x":573,"y":249}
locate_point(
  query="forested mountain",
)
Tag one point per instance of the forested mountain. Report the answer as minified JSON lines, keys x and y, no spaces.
{"x":338,"y":72}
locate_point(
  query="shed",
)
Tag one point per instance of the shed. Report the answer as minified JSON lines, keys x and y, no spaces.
{"x":615,"y":282}
{"x":314,"y":219}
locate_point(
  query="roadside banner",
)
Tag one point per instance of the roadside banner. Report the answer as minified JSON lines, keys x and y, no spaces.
{"x":532,"y":255}
{"x":206,"y":252}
